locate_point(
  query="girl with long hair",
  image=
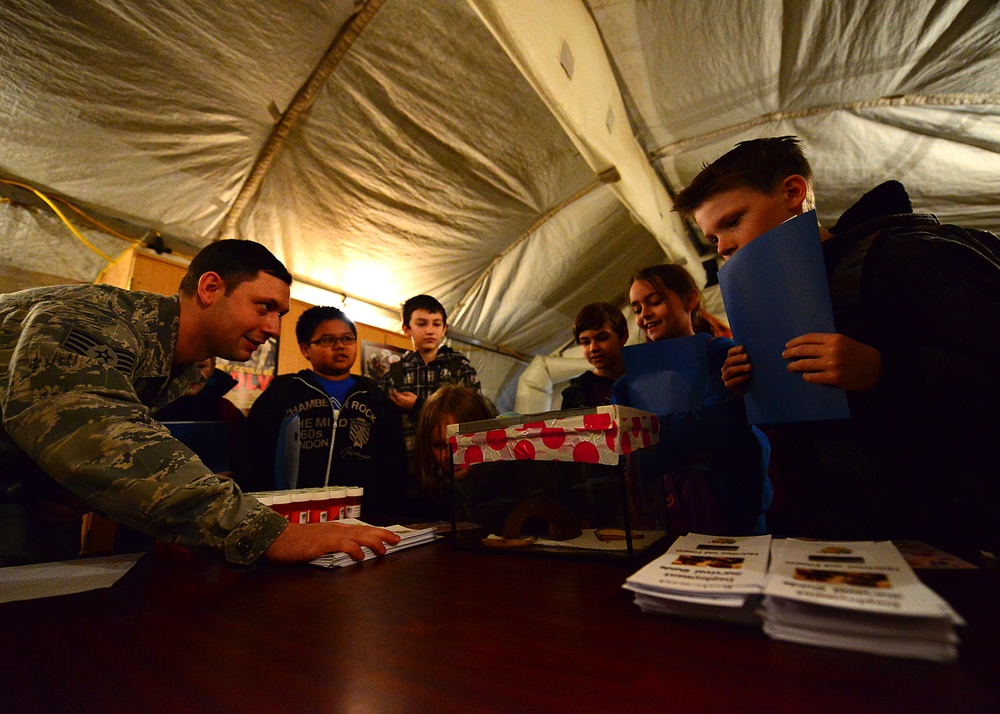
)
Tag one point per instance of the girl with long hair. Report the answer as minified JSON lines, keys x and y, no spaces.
{"x":714,"y":464}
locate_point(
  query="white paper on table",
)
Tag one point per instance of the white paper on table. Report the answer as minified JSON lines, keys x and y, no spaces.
{"x":707,"y":566}
{"x":865,"y":576}
{"x":408,"y":538}
{"x":27,"y":582}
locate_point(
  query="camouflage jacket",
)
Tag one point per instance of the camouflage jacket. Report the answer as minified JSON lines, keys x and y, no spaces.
{"x":82,"y":368}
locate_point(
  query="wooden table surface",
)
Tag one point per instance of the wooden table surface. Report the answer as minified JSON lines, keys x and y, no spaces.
{"x":435,"y":629}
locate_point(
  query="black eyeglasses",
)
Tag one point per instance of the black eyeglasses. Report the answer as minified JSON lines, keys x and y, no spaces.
{"x":330,"y":340}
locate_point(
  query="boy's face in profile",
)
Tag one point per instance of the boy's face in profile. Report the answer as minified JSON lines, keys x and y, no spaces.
{"x":426,"y":329}
{"x":602,"y":348}
{"x":732,"y":218}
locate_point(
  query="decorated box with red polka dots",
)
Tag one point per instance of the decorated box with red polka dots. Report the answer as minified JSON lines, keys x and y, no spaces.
{"x":594,"y":436}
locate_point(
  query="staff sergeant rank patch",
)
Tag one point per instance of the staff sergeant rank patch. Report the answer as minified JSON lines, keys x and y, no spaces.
{"x":83,"y":343}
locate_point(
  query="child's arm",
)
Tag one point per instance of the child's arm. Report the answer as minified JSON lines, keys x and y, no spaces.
{"x":404,"y":400}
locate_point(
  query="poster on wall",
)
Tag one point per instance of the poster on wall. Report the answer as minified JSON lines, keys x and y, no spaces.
{"x":253,"y":376}
{"x":376,"y":358}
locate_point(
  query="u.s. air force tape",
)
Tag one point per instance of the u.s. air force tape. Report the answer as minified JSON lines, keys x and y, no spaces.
{"x":83,"y":343}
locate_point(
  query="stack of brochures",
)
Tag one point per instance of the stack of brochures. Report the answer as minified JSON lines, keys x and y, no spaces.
{"x":859,"y":596}
{"x":408,"y":537}
{"x":708,"y":577}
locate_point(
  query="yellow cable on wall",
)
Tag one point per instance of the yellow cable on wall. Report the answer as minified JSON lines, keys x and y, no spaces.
{"x":66,"y":221}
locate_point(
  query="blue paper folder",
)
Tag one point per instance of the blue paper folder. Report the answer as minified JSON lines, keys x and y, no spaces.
{"x":668,"y":376}
{"x":775,"y":288}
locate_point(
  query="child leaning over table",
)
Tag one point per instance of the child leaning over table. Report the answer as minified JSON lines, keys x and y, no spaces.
{"x":452,"y":404}
{"x":714,"y":464}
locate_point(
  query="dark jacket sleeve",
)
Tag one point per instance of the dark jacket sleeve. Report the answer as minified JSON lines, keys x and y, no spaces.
{"x":936,"y":304}
{"x":572,"y":396}
{"x":719,"y":424}
{"x":393,"y":457}
{"x":739,"y":454}
{"x":253,"y":462}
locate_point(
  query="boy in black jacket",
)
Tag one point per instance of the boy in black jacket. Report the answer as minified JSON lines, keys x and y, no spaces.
{"x":350,"y":434}
{"x":917,"y":313}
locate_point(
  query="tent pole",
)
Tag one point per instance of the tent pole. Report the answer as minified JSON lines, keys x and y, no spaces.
{"x":304,"y":99}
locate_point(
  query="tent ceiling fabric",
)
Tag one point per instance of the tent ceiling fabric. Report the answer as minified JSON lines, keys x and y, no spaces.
{"x":557,"y":47}
{"x":406,"y":176}
{"x":154,"y":111}
{"x":904,"y":89}
{"x":431,"y":160}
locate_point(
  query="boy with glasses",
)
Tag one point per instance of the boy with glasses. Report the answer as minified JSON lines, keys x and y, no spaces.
{"x":349,"y":431}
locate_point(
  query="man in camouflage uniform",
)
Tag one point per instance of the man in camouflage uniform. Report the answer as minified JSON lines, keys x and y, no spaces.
{"x":82,"y":369}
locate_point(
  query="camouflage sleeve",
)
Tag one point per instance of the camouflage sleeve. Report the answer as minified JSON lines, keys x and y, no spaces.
{"x":77,"y":414}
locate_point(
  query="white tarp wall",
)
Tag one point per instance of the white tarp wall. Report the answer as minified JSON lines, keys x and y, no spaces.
{"x":393,"y":147}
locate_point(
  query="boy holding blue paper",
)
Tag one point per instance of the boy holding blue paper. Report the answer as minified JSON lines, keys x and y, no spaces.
{"x":917,"y":312}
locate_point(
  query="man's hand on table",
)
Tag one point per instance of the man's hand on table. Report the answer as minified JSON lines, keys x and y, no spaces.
{"x":300,"y":543}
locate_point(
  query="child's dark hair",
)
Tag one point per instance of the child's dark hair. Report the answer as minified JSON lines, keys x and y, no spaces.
{"x":236,"y":261}
{"x":669,"y":277}
{"x":451,"y":404}
{"x":598,"y":314}
{"x":422,"y":302}
{"x":760,"y":164}
{"x":312,"y":318}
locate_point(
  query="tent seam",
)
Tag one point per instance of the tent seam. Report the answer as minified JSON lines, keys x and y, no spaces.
{"x":905,"y":100}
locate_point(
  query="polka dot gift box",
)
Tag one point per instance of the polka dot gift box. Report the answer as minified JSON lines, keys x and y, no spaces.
{"x":597,"y":435}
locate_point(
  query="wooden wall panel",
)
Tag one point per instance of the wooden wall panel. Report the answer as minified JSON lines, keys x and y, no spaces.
{"x":119,"y":273}
{"x":154,"y":274}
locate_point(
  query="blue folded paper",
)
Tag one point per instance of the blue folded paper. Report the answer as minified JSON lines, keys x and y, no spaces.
{"x":668,"y":376}
{"x":775,"y":288}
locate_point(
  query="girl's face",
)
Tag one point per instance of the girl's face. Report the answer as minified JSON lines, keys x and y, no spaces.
{"x":442,"y":453}
{"x":660,"y":316}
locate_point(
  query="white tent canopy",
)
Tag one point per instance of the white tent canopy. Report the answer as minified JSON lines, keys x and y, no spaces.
{"x":515,"y":159}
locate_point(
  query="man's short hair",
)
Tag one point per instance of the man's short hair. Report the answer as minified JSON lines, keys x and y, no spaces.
{"x":312,"y":318}
{"x":236,"y":261}
{"x":598,"y":314}
{"x":422,"y":302}
{"x":760,"y":164}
